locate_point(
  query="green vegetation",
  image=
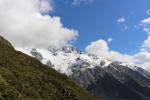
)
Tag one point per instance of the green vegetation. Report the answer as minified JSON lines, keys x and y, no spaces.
{"x":25,"y":78}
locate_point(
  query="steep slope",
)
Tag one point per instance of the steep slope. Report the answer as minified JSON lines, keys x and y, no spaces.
{"x":114,"y":82}
{"x":25,"y":78}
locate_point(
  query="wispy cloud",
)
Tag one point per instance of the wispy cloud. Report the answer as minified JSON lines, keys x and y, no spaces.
{"x":121,"y":20}
{"x":78,"y":2}
{"x":146,"y":20}
{"x":109,"y":39}
{"x":146,"y":24}
{"x":146,"y":43}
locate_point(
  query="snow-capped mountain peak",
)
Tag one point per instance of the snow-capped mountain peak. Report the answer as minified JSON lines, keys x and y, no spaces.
{"x":70,"y":49}
{"x":69,"y":59}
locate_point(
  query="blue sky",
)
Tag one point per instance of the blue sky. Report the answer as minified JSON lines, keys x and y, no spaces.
{"x":118,"y":30}
{"x":98,"y":20}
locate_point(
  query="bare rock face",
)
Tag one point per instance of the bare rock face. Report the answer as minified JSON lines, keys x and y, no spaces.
{"x":49,"y":63}
{"x":70,"y":49}
{"x":36,"y":54}
{"x":114,"y":82}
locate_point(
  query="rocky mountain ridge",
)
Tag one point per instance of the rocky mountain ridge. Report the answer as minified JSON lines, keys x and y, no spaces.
{"x":111,"y":80}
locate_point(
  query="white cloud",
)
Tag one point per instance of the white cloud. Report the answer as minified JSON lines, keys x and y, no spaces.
{"x":145,"y":66}
{"x":45,"y":6}
{"x":146,"y":24}
{"x":116,"y":56}
{"x":78,"y":2}
{"x":146,"y":21}
{"x":109,"y":40}
{"x":22,"y":22}
{"x":100,"y":48}
{"x":121,"y":20}
{"x":142,"y":57}
{"x":147,"y":30}
{"x":146,"y":43}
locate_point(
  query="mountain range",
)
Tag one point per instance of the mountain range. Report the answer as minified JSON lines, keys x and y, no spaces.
{"x":110,"y":80}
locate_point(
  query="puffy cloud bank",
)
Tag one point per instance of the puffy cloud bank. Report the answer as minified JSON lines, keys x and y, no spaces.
{"x":101,"y":48}
{"x":26,"y":23}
